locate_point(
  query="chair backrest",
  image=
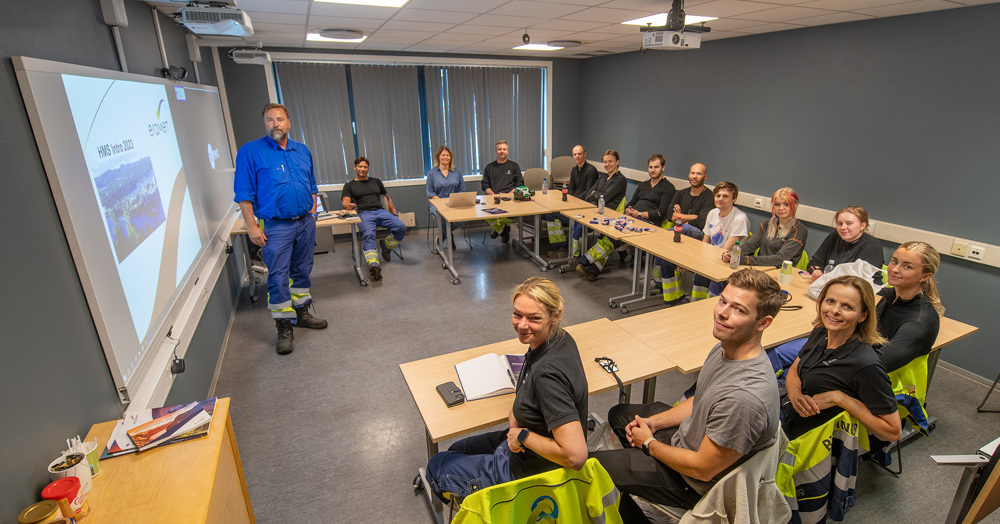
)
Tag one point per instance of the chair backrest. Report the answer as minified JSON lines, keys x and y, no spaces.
{"x":533,"y":178}
{"x":806,"y":477}
{"x":753,"y":484}
{"x":562,"y":168}
{"x":588,"y":495}
{"x":385,"y":201}
{"x":909,"y":385}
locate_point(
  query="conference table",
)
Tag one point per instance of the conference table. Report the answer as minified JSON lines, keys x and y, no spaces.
{"x":341,"y":218}
{"x":540,"y":204}
{"x":597,"y":338}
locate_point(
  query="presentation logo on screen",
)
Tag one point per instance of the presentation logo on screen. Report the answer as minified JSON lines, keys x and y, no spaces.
{"x":213,"y":155}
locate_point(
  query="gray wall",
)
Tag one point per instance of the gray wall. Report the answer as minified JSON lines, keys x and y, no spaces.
{"x":888,"y":114}
{"x":54,"y":380}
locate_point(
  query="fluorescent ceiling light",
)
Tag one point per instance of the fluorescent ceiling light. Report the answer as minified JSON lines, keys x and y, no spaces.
{"x":378,"y":3}
{"x":660,"y":20}
{"x":316,"y":37}
{"x":537,"y":47}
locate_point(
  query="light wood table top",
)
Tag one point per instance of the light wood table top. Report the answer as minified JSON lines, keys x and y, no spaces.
{"x":598,"y":338}
{"x":584,"y":216}
{"x":693,"y":255}
{"x":683,"y":334}
{"x":194,"y":481}
{"x":554,"y":203}
{"x":513,"y":208}
{"x":240,"y":227}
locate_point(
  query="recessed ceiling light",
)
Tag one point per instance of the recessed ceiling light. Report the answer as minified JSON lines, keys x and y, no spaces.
{"x":660,"y":20}
{"x":377,"y":3}
{"x":564,"y":43}
{"x":537,"y":47}
{"x":337,"y":35}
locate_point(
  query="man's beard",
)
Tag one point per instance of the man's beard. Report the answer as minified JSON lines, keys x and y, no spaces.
{"x":278,"y":135}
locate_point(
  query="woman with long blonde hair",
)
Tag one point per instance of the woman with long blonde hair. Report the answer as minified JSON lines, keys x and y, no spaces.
{"x":837,"y":368}
{"x":909,"y":314}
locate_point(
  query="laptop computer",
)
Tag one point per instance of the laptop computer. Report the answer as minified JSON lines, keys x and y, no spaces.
{"x":466,"y":199}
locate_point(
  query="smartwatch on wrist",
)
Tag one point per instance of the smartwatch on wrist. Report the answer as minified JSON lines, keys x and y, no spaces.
{"x":645,"y":446}
{"x":522,"y":436}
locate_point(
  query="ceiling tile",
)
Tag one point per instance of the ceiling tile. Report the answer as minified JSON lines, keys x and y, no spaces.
{"x":504,"y":20}
{"x":345,"y":23}
{"x":726,"y":8}
{"x":428,"y":15}
{"x":834,"y":18}
{"x":590,"y":36}
{"x":382,"y":46}
{"x":707,"y":37}
{"x":275,"y":18}
{"x":907,"y":8}
{"x":453,"y":38}
{"x":479,"y":29}
{"x":402,"y":25}
{"x":976,"y":2}
{"x":275,"y":6}
{"x":399,"y":36}
{"x":730,"y":24}
{"x":352,"y":11}
{"x":617,"y":29}
{"x":465,"y":6}
{"x":277,"y":28}
{"x":770,"y":28}
{"x":432,"y":48}
{"x":847,"y":5}
{"x":568,"y":25}
{"x":536,"y":9}
{"x":783,"y":14}
{"x":601,"y":14}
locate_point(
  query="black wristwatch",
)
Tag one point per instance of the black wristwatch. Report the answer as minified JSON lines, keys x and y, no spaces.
{"x":522,"y":436}
{"x":645,"y":446}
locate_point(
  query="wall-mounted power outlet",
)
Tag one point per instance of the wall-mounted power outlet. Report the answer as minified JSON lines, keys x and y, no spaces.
{"x":758,"y":203}
{"x":959,"y":248}
{"x":977,"y":253}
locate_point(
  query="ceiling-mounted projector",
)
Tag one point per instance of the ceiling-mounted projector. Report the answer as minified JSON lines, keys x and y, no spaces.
{"x":216,"y":21}
{"x":671,"y":40}
{"x":249,"y":56}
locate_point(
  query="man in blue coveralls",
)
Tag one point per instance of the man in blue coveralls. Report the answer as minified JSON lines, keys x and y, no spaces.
{"x":364,"y":195}
{"x":274,"y":181}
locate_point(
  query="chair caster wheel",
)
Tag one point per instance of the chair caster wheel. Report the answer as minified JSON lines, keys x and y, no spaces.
{"x":562,"y":270}
{"x":364,"y":283}
{"x":254,"y":298}
{"x":544,"y":268}
{"x":455,"y":281}
{"x":624,"y":310}
{"x":526,"y":257}
{"x":612,"y":304}
{"x":444,"y":266}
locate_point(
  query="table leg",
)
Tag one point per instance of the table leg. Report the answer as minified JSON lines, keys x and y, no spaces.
{"x":644,"y":281}
{"x":248,"y":260}
{"x":356,"y":249}
{"x":534,"y":253}
{"x":443,"y":246}
{"x":649,"y":390}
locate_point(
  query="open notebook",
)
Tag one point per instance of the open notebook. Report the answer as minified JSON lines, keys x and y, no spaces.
{"x":489,"y":375}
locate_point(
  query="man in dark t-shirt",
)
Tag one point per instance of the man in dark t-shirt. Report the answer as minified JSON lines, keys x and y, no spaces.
{"x":501,"y":176}
{"x":581,"y":178}
{"x":364,"y":194}
{"x":691,"y":206}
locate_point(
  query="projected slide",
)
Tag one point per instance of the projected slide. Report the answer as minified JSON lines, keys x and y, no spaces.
{"x":129,"y":143}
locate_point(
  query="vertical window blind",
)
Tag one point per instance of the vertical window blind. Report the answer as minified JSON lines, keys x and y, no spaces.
{"x":398,"y":115}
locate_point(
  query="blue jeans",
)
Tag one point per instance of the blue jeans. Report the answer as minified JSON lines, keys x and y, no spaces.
{"x":380,"y":217}
{"x":783,"y":356}
{"x":288,"y":254}
{"x":470,"y":464}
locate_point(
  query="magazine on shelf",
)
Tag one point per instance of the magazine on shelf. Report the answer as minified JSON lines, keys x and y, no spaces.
{"x":150,"y":428}
{"x":489,"y":375}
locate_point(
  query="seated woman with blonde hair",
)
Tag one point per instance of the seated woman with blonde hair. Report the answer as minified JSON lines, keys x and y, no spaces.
{"x":781,"y":238}
{"x":837,"y":368}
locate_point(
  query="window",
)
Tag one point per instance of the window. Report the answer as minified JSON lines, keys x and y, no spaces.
{"x":398,"y":115}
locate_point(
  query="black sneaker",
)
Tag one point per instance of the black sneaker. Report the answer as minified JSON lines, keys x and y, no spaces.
{"x":493,"y":233}
{"x":285,"y":337}
{"x":505,"y":234}
{"x":304,"y":318}
{"x":375,"y":271}
{"x":386,"y":251}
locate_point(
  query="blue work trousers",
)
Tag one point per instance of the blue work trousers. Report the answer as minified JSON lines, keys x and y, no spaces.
{"x":471,"y":464}
{"x":288,"y":255}
{"x":379,"y":218}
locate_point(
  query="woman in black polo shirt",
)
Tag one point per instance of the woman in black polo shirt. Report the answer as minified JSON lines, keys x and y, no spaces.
{"x":549,"y":411}
{"x":837,"y":369}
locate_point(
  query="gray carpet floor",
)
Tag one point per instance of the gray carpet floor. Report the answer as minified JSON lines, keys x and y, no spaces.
{"x":331,"y":434}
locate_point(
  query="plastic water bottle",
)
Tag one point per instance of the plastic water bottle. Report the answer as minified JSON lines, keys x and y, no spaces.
{"x":734,"y":257}
{"x":600,"y":205}
{"x":545,"y":186}
{"x":829,"y":266}
{"x":678,"y":227}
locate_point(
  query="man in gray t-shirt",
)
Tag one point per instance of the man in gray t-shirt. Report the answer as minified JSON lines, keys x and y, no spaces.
{"x":677,"y":454}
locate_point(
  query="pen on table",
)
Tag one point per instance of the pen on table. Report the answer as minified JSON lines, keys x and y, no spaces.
{"x":512,"y":381}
